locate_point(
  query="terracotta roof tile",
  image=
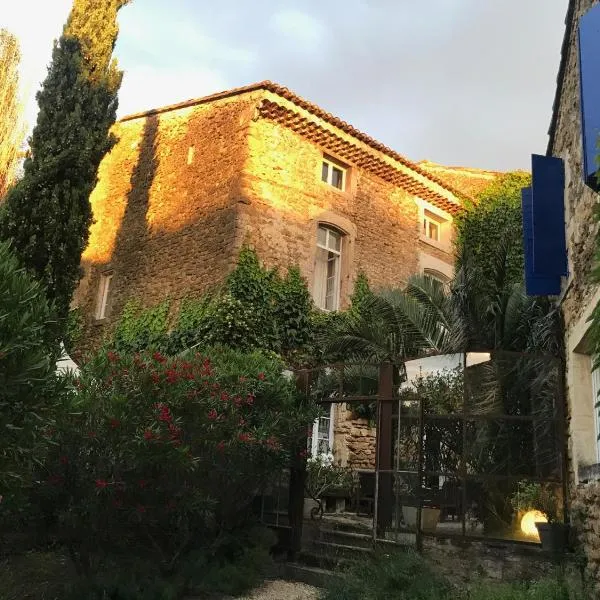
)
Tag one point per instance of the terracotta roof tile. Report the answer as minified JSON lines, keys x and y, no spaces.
{"x":303,"y":126}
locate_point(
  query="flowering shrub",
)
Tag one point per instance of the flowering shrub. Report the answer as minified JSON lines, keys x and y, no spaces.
{"x":323,"y":475}
{"x":164,"y":454}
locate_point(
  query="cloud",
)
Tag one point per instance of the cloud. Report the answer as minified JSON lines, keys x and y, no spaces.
{"x":456,"y":81}
{"x":145,"y":87}
{"x":298,"y":26}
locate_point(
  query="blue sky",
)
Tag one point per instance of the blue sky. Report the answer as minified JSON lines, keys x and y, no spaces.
{"x":463,"y":82}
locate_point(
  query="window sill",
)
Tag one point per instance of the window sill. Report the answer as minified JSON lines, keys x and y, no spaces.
{"x":439,"y":245}
{"x":332,"y":188}
{"x":589,"y":473}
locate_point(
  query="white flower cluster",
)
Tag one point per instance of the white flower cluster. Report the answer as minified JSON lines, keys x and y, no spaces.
{"x":324,"y":459}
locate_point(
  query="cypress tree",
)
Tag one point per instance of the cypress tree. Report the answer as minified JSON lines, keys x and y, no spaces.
{"x":47,"y":215}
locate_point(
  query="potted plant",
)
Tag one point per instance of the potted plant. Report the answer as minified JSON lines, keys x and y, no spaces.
{"x":430,"y":512}
{"x":540,"y":503}
{"x":323,"y":476}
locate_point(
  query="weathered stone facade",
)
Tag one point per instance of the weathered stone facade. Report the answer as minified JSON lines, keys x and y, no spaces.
{"x":187,"y":186}
{"x":579,"y":294}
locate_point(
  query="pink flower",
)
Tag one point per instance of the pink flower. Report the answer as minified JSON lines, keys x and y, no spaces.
{"x":244,"y":437}
{"x":212,"y":414}
{"x":221,"y":446}
{"x":148,"y":435}
{"x":101,"y":483}
{"x":262,"y":376}
{"x":250,"y":399}
{"x":114,"y":423}
{"x":112,"y":356}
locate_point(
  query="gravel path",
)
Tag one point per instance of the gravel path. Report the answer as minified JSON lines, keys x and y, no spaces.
{"x":284,"y":590}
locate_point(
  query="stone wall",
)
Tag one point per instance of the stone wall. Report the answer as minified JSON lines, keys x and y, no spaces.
{"x":464,"y":562}
{"x":165,"y":208}
{"x":184,"y":188}
{"x":578,"y":291}
{"x":586,"y":517}
{"x":580,"y":295}
{"x":354,"y":440}
{"x":285,"y":200}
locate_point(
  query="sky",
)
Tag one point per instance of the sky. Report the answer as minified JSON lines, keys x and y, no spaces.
{"x":459,"y":82}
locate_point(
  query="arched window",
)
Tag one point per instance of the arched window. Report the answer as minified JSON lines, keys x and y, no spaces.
{"x":436,"y":275}
{"x":328,"y":264}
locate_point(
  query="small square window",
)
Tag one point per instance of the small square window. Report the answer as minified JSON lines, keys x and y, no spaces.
{"x":432,"y":227}
{"x":333,"y":174}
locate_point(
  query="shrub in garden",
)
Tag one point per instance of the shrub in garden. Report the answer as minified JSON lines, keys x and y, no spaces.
{"x":158,"y":456}
{"x":27,"y":380}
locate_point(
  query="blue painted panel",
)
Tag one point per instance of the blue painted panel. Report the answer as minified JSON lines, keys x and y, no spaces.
{"x":548,"y":211}
{"x":589,"y":83}
{"x":535,"y":285}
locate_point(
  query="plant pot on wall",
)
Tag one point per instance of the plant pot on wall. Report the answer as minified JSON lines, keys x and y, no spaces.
{"x":554,"y":536}
{"x":429,"y":517}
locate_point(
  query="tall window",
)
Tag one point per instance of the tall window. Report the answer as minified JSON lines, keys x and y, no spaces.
{"x":328,"y":268}
{"x":321,"y":441}
{"x":333,"y":174}
{"x":103,"y":290}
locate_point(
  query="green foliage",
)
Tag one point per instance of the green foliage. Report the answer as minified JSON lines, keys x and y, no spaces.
{"x":48,"y":213}
{"x":551,"y":588}
{"x":394,"y":576}
{"x":154,"y":456}
{"x":323,"y":475}
{"x":407,"y":576}
{"x":235,"y":564}
{"x":536,"y":496}
{"x":257,"y":309}
{"x":26,"y":368}
{"x":493,"y":222}
{"x":74,"y":330}
{"x":141,"y":328}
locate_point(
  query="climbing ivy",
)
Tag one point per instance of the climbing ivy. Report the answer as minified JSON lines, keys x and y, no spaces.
{"x":140,"y":328}
{"x":256,"y":309}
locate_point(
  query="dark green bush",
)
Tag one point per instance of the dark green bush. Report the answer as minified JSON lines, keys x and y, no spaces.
{"x":395,"y":576}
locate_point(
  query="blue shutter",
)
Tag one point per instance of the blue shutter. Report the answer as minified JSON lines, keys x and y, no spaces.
{"x":548,"y":212}
{"x":535,"y":285}
{"x":589,"y":84}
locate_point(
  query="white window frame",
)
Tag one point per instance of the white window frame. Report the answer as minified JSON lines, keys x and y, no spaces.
{"x":430,"y":219}
{"x":330,"y":248}
{"x":314,"y":441}
{"x":329,"y":179}
{"x":595,"y":399}
{"x":103,"y":291}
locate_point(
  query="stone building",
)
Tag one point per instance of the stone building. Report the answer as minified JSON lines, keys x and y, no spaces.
{"x":573,"y":135}
{"x":188,"y":185}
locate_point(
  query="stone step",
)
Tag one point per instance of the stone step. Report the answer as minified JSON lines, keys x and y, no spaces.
{"x":315,"y":576}
{"x":339,"y":551}
{"x":346,"y":538}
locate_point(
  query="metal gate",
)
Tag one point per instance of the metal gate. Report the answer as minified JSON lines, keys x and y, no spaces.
{"x":463,"y":452}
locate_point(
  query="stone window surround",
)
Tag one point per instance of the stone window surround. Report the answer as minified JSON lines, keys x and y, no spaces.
{"x":103,"y":294}
{"x":582,"y":422}
{"x":445,"y":223}
{"x":431,"y":263}
{"x":348,"y":231}
{"x":332,"y":161}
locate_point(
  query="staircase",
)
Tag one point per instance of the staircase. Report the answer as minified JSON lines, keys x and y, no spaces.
{"x":335,"y":543}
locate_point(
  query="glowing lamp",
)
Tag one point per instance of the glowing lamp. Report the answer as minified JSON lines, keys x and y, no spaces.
{"x":529,"y":520}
